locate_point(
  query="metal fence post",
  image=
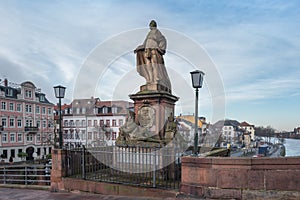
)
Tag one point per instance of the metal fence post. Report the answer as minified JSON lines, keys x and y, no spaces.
{"x":4,"y":174}
{"x":154,"y":169}
{"x":83,"y":162}
{"x":26,"y":175}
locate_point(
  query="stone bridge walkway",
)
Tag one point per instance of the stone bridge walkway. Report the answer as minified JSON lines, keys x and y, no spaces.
{"x":31,"y":194}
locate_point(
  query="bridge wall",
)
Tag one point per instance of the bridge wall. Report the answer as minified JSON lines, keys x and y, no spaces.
{"x":241,"y":178}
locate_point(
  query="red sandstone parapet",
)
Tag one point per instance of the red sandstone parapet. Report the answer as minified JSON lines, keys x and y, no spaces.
{"x":234,"y":177}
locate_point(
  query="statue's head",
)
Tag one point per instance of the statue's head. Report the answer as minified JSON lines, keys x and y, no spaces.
{"x":153,"y":24}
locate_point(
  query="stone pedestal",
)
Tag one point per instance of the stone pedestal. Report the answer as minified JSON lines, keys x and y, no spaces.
{"x":152,"y":107}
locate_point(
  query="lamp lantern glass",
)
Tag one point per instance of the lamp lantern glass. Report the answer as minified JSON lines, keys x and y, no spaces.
{"x":197,"y":78}
{"x":59,"y":91}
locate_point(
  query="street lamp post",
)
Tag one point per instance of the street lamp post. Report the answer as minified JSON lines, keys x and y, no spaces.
{"x":60,"y":93}
{"x":197,"y":81}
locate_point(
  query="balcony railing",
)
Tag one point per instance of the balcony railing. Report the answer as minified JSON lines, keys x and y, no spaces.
{"x":31,"y":129}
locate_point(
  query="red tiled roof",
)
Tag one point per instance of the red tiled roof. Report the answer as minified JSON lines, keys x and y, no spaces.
{"x":63,"y":107}
{"x":245,"y":124}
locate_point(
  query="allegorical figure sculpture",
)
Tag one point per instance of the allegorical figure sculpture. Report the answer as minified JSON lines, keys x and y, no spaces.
{"x":150,"y":61}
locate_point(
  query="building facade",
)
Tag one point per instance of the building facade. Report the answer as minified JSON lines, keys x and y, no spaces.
{"x":187,"y":129}
{"x":92,"y":122}
{"x":249,"y":128}
{"x":26,"y":122}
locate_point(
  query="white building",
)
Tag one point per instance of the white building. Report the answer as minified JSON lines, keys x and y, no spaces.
{"x":92,"y":122}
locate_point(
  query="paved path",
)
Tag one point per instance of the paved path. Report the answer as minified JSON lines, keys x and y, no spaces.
{"x":31,"y":194}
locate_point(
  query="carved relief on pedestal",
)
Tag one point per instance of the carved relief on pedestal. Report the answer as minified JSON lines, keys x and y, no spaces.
{"x":146,"y":116}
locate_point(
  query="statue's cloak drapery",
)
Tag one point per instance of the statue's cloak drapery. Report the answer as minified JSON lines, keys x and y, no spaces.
{"x":152,"y":50}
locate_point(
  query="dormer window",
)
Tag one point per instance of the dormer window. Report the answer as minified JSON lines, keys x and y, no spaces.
{"x":9,"y":92}
{"x":28,"y":93}
{"x":104,"y":110}
{"x":42,"y":98}
{"x":114,"y":110}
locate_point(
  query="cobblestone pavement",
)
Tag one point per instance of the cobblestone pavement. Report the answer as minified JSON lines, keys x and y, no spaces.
{"x":31,"y":194}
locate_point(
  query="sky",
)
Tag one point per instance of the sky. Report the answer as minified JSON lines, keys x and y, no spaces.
{"x":249,"y":51}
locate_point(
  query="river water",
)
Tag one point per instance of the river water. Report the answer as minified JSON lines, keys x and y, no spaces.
{"x":292,"y":147}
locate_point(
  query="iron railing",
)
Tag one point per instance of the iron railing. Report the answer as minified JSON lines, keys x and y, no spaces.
{"x":146,"y":166}
{"x":25,"y":174}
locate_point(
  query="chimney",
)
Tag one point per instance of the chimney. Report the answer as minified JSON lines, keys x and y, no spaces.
{"x":5,"y":82}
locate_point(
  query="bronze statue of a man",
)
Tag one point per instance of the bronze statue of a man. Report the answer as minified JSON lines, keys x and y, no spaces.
{"x":150,"y":61}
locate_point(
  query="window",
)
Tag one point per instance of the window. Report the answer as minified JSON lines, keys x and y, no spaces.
{"x":3,"y":106}
{"x":20,"y":138}
{"x":4,"y":155}
{"x":72,"y":134}
{"x":12,"y":137}
{"x":71,"y":123}
{"x":95,"y":122}
{"x":12,"y":153}
{"x":4,"y":122}
{"x":77,"y":134}
{"x":28,"y":93}
{"x":66,"y":124}
{"x":77,"y":111}
{"x":19,"y":107}
{"x":114,"y":110}
{"x":83,"y":123}
{"x":38,"y":152}
{"x":107,"y":122}
{"x":43,"y":110}
{"x":89,"y":122}
{"x":50,"y":136}
{"x":38,"y":137}
{"x":4,"y":137}
{"x":49,"y":111}
{"x":29,"y":138}
{"x":101,"y":122}
{"x":114,"y":123}
{"x":90,"y":135}
{"x":11,"y":122}
{"x":28,"y":108}
{"x":11,"y":106}
{"x":42,"y":98}
{"x":77,"y":122}
{"x":83,"y":135}
{"x":104,"y":110}
{"x":37,"y":110}
{"x":108,"y":135}
{"x":9,"y":92}
{"x":19,"y":150}
{"x":38,"y":123}
{"x":29,"y":122}
{"x":19,"y":122}
{"x":114,"y":135}
{"x":44,"y":124}
{"x":120,"y":122}
{"x":83,"y":110}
